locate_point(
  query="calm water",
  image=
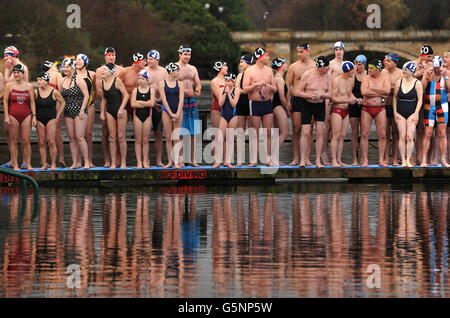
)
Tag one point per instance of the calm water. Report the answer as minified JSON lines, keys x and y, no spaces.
{"x":288,"y":240}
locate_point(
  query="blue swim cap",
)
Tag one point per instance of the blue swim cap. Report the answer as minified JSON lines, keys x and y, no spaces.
{"x":362,"y":59}
{"x":437,"y":61}
{"x":410,"y":66}
{"x":144,"y":74}
{"x":154,"y":54}
{"x":393,"y":56}
{"x":347,"y":66}
{"x":84,"y":58}
{"x":339,"y":44}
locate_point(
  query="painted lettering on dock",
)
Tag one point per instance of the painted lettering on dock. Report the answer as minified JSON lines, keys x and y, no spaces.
{"x":187,"y":189}
{"x":11,"y":179}
{"x":183,"y":175}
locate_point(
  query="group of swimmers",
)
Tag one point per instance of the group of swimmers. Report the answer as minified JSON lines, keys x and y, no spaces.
{"x":321,"y":94}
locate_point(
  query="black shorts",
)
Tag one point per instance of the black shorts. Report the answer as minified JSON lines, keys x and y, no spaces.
{"x":242,"y":107}
{"x":354,"y":110}
{"x":389,"y":111}
{"x":156,"y":120}
{"x":260,"y":108}
{"x":312,"y":109}
{"x":296,"y":103}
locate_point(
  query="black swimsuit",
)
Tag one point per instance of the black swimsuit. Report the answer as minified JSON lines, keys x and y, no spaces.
{"x":45,"y":108}
{"x":276,"y":101}
{"x":242,"y":107}
{"x":74,"y":99}
{"x":146,"y":112}
{"x":406,"y":103}
{"x":354,"y":110}
{"x":89,"y":85}
{"x":113,"y":97}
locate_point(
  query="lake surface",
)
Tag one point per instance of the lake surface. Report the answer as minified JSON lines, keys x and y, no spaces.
{"x":286,"y":240}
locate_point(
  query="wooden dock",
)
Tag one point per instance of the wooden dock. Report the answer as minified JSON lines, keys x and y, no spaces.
{"x":226,"y":176}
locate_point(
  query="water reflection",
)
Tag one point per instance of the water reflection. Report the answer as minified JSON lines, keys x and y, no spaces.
{"x":237,"y":244}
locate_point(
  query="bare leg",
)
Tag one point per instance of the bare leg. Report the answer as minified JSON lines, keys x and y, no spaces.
{"x":296,"y":130}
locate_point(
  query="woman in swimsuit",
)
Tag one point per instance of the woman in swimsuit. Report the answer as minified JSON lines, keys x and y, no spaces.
{"x":75,"y":93}
{"x":18,"y":98}
{"x":228,"y":99}
{"x":217,"y":84}
{"x":142,"y":99}
{"x":49,"y":109}
{"x":112,"y":107}
{"x":406,"y":110}
{"x":172,"y":97}
{"x":81,"y":64}
{"x":280,"y":111}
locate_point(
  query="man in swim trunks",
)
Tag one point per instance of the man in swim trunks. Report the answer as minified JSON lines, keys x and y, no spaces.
{"x":157,"y":74}
{"x":110,"y":58}
{"x":189,"y":77}
{"x":335,"y":71}
{"x":422,"y":64}
{"x":394,"y":73}
{"x":375,"y":89}
{"x":129,"y":76}
{"x":437,"y":83}
{"x":342,"y":97}
{"x":315,"y":87}
{"x":11,"y":58}
{"x":293,"y":77}
{"x":259,"y":83}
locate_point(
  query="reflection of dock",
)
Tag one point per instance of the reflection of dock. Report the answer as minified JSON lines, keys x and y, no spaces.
{"x":236,"y":176}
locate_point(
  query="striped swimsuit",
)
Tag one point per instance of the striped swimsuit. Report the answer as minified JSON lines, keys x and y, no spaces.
{"x":436,"y":103}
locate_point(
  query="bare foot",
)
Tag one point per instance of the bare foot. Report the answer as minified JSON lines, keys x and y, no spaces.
{"x":168,"y":165}
{"x":123,"y":166}
{"x":424,"y":164}
{"x":409,"y":165}
{"x":53,"y":167}
{"x":16,"y":168}
{"x":383,"y":164}
{"x":395,"y":164}
{"x":294,"y":163}
{"x":72,"y":167}
{"x":160,"y":164}
{"x":63,"y":164}
{"x":177,"y":166}
{"x":343,"y":164}
{"x":269,"y":164}
{"x":404,"y":164}
{"x":229,"y":165}
{"x":44,"y":167}
{"x":355,"y":163}
{"x":147,"y":166}
{"x":86,"y":167}
{"x":139,"y":166}
{"x":302,"y":164}
{"x":194,"y":164}
{"x":216,"y":165}
{"x":91,"y":165}
{"x":445,"y":164}
{"x":364,"y":164}
{"x":182,"y":165}
{"x":112,"y":166}
{"x":254,"y":164}
{"x":309,"y":163}
{"x":239,"y":165}
{"x":335,"y":164}
{"x":319,"y":165}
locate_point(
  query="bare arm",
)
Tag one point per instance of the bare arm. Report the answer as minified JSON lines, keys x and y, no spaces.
{"x":280,"y":88}
{"x":180,"y":97}
{"x":419,"y":91}
{"x":32,"y":105}
{"x":197,"y":83}
{"x":6,"y":103}
{"x":394,"y":99}
{"x":133,"y":101}
{"x":2,"y":85}
{"x":302,"y":87}
{"x":61,"y":103}
{"x":234,"y":100}
{"x":82,"y":84}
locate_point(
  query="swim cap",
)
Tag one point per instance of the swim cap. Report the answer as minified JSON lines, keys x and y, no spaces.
{"x":230,"y":77}
{"x":137,"y":57}
{"x":259,"y":53}
{"x":144,"y":74}
{"x":218,"y":65}
{"x":322,"y":61}
{"x":184,"y":48}
{"x":109,"y":50}
{"x":437,"y":61}
{"x":46,"y":66}
{"x":247,"y":58}
{"x":154,"y":55}
{"x":11,"y":51}
{"x":111,"y":67}
{"x":347,"y":66}
{"x":393,"y":57}
{"x":172,"y":67}
{"x":362,"y":59}
{"x":339,"y":44}
{"x":84,"y":58}
{"x":68,"y":62}
{"x":303,"y":46}
{"x":410,"y":66}
{"x":426,"y":50}
{"x":19,"y":68}
{"x":277,"y":63}
{"x":45,"y":76}
{"x":376,"y":63}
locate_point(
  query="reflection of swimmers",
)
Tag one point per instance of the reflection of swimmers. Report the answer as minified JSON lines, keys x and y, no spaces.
{"x":315,"y":88}
{"x":394,"y":73}
{"x":142,"y":100}
{"x":20,"y":115}
{"x":171,"y":91}
{"x":436,"y":82}
{"x":114,"y":99}
{"x":408,"y":93}
{"x":49,"y":109}
{"x":375,"y":88}
{"x":342,"y":97}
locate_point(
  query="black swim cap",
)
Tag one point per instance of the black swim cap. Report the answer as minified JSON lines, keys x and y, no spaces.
{"x":45,"y":76}
{"x":172,"y":67}
{"x":138,"y":57}
{"x":247,"y":58}
{"x":303,"y":46}
{"x":277,"y":63}
{"x":230,"y":77}
{"x":260,"y":52}
{"x":19,"y":68}
{"x":218,"y":65}
{"x":110,"y":50}
{"x":426,"y":50}
{"x":46,"y":66}
{"x":376,"y":63}
{"x":322,"y":61}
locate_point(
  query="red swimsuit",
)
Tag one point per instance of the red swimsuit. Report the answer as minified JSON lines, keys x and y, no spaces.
{"x":372,"y":110}
{"x":19,"y":105}
{"x":215,"y":105}
{"x":340,"y":111}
